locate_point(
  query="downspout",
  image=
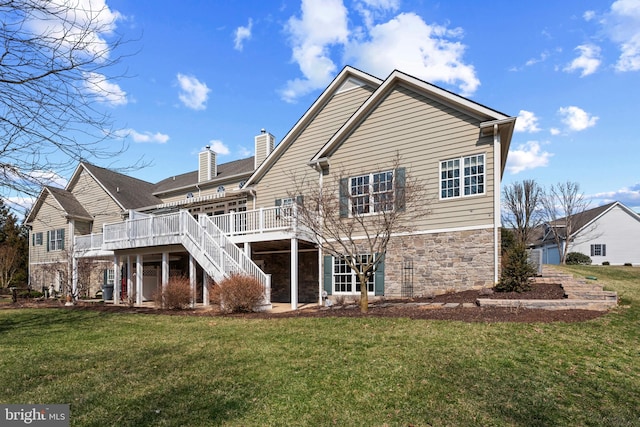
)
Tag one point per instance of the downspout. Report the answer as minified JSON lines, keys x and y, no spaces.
{"x":318,"y":167}
{"x":497,"y":166}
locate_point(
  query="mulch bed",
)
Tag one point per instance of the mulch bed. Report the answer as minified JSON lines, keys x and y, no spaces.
{"x":464,"y":314}
{"x":397,"y":309}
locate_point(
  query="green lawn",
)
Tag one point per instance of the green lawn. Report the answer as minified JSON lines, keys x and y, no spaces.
{"x":137,"y":370}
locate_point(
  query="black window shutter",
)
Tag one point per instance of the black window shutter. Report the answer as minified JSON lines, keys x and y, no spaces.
{"x":604,"y":250}
{"x":344,"y":197}
{"x":593,"y":250}
{"x":48,"y":240}
{"x":400,"y":189}
{"x":328,"y":274}
{"x":378,"y":285}
{"x":62,"y":244}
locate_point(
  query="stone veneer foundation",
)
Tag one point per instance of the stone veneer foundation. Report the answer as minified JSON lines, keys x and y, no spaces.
{"x":442,"y":262}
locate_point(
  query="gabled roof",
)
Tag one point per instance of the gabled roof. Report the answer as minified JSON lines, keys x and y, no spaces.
{"x":346,"y":76}
{"x":67,"y":202}
{"x":126,"y":191}
{"x":585,"y":219}
{"x":190,"y":179}
{"x":488,"y":117}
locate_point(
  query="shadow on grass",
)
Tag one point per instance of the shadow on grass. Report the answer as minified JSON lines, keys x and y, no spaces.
{"x":31,"y":321}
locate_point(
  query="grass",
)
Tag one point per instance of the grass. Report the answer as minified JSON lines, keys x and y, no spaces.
{"x":146,"y":370}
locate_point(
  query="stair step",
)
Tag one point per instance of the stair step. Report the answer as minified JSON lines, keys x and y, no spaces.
{"x":563,"y":304}
{"x":593,"y":295}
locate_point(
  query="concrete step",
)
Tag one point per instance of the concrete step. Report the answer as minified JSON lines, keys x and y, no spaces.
{"x":568,"y":288}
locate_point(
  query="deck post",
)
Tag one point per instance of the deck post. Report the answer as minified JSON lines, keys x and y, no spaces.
{"x":165,"y":275}
{"x":294,"y":274}
{"x":205,"y":288}
{"x":139,"y":278}
{"x":117,"y":280}
{"x":192,"y":279}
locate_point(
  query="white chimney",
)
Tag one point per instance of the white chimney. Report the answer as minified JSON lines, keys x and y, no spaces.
{"x":207,"y":168}
{"x":264,"y":146}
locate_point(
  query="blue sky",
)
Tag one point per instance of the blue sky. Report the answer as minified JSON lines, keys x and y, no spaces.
{"x":216,"y":72}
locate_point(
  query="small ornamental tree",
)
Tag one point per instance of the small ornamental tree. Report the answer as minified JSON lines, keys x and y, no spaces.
{"x":516,"y":270}
{"x":353,"y":219}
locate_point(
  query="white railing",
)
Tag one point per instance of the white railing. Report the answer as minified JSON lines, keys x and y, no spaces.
{"x":88,"y":242}
{"x":212,"y":242}
{"x":256,"y":221}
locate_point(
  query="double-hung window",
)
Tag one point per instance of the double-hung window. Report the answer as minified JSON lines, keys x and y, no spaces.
{"x":598,"y":250}
{"x":345,"y":280}
{"x":371,"y":192}
{"x":55,"y":240}
{"x":464,"y":176}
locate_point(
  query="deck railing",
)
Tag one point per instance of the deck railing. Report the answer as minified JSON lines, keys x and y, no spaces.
{"x":256,"y":221}
{"x":212,"y":242}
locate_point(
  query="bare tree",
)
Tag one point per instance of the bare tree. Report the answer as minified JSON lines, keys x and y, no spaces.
{"x":356,"y":225}
{"x":563,"y":203}
{"x":54,"y":57}
{"x":9,"y":264}
{"x":522,"y":213}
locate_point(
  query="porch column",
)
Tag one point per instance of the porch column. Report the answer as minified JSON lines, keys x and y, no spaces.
{"x":165,"y":274}
{"x":129,"y":280}
{"x":192,"y":279}
{"x":205,"y":288}
{"x":294,"y":274}
{"x":139,"y":278}
{"x":117,"y":280}
{"x":74,"y":277}
{"x":247,"y":249}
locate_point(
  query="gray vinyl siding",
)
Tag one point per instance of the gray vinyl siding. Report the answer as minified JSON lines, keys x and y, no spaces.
{"x":96,"y":201}
{"x":50,"y":217}
{"x":424,"y":132}
{"x":277,"y":182}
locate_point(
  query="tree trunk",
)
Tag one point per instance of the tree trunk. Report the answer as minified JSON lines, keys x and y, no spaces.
{"x":364,"y":295}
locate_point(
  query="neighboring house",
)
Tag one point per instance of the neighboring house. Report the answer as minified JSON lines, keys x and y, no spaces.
{"x":240,"y":217}
{"x":608,"y":233}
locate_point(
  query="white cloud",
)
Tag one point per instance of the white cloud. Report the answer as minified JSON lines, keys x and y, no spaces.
{"x":104,"y":90}
{"x":144,"y":137}
{"x":554,"y":131}
{"x":218,"y":147}
{"x":622,"y":24}
{"x":629,"y":196}
{"x":322,"y":23}
{"x":588,"y":15}
{"x":588,"y":61}
{"x":245,"y":152}
{"x":407,"y":43}
{"x":576,"y":118}
{"x":242,"y":34}
{"x":81,"y":25}
{"x":527,"y":156}
{"x":193,"y":93}
{"x":543,"y":57}
{"x":527,"y":122}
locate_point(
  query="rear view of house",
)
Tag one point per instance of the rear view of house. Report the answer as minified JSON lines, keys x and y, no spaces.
{"x":240,"y":217}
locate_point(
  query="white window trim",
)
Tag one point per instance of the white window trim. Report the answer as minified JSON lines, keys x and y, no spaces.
{"x":354,"y":280}
{"x":371,"y":193}
{"x":461,"y":177}
{"x":56,"y":243}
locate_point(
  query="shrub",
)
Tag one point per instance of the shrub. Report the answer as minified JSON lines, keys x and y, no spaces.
{"x":628,"y":264}
{"x":26,"y":293}
{"x":516,"y":270}
{"x":237,"y":294}
{"x":606,"y":263}
{"x":576,"y":258}
{"x":176,"y":295}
